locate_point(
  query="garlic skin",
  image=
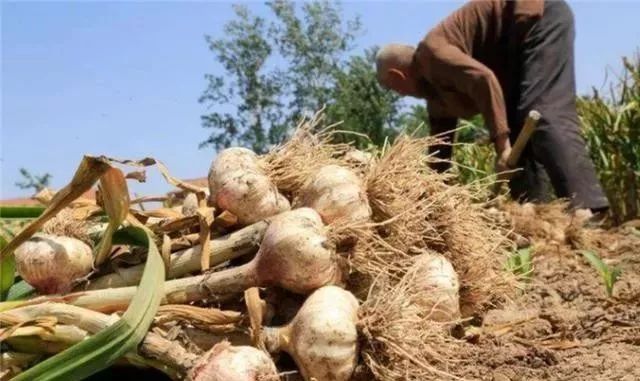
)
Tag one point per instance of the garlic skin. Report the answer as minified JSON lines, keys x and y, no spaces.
{"x":435,"y":288}
{"x":225,"y":362}
{"x":52,"y":264}
{"x":336,"y":193}
{"x":238,"y":184}
{"x":322,"y":338}
{"x":310,"y":262}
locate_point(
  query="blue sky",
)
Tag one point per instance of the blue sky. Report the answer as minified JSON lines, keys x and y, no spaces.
{"x":123,"y":78}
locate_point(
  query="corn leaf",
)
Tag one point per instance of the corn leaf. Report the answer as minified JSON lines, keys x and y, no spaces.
{"x":520,"y":263}
{"x":7,"y":271}
{"x":595,"y":261}
{"x":609,"y":275}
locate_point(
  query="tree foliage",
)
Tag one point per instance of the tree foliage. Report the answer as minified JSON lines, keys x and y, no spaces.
{"x":279,"y":71}
{"x":362,"y":105}
{"x":314,"y":44}
{"x":247,"y":88}
{"x":33,"y":181}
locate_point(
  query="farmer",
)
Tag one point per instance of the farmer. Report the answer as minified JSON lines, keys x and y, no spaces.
{"x":502,"y":59}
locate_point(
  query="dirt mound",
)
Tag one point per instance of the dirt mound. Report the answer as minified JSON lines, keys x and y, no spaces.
{"x":564,"y":327}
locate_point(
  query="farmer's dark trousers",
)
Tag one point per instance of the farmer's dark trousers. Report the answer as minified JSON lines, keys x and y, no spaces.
{"x":556,"y":154}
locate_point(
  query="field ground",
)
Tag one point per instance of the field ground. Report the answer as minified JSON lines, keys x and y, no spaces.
{"x":566,"y":328}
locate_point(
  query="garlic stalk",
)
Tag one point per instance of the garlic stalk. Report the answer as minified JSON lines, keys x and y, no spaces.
{"x":153,"y":345}
{"x":222,"y":249}
{"x":295,"y":254}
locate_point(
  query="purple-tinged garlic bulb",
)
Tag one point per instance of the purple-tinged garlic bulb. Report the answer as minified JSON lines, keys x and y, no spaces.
{"x":225,"y":362}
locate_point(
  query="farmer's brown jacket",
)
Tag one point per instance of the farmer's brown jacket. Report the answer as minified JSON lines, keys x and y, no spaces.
{"x":467,"y":61}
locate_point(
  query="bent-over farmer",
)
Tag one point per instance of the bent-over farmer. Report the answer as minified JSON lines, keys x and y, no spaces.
{"x":502,"y":59}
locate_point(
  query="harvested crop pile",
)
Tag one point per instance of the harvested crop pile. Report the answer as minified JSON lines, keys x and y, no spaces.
{"x":313,"y":262}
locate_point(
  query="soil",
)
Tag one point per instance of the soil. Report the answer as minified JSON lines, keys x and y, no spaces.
{"x":565,"y":327}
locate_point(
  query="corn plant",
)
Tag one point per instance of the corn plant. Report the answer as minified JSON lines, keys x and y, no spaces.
{"x":609,"y":275}
{"x":520,"y":263}
{"x":475,"y":160}
{"x":611,"y":127}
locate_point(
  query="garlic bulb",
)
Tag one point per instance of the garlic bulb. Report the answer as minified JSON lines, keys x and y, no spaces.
{"x":295,"y":253}
{"x":238,"y":184}
{"x":435,"y":287}
{"x":190,"y":205}
{"x":52,"y":264}
{"x":225,"y":362}
{"x":337,"y":194}
{"x":322,"y":338}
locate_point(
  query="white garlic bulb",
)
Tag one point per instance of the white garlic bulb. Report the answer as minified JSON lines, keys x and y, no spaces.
{"x":238,"y":184}
{"x":322,"y":338}
{"x":435,"y":287}
{"x":336,"y":193}
{"x":53,"y":264}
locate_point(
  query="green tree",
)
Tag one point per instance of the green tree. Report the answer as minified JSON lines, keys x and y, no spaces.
{"x":247,"y":89}
{"x":255,"y":105}
{"x":33,"y":181}
{"x":315,"y":43}
{"x":415,"y":120}
{"x":362,"y":105}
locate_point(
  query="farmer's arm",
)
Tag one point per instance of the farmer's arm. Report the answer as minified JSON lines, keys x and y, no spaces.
{"x":471,"y":78}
